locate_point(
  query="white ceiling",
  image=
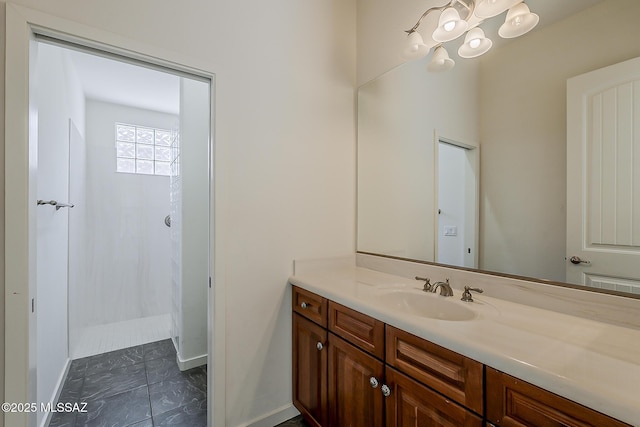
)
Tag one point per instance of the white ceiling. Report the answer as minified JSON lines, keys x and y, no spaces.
{"x":121,"y":83}
{"x":549,"y":11}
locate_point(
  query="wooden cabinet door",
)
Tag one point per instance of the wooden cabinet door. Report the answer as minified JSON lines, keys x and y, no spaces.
{"x":514,"y":403}
{"x":352,"y":399}
{"x":411,"y":404}
{"x":310,"y":370}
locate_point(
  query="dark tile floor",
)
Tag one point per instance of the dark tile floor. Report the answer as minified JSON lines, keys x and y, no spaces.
{"x":134,"y":387}
{"x":294,"y":422}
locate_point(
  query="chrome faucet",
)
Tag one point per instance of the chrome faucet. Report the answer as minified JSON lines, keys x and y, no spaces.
{"x":427,"y":285}
{"x":466,"y":295}
{"x":445,"y":288}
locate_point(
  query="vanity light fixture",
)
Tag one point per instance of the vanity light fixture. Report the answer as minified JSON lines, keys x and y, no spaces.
{"x":519,"y":21}
{"x":450,"y":26}
{"x":415,"y":46}
{"x":460,"y":16}
{"x":475,"y":44}
{"x":440,"y":60}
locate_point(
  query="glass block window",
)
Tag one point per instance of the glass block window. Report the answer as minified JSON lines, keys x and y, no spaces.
{"x":143,"y":150}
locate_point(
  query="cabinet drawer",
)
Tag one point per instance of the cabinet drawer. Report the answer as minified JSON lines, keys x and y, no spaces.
{"x":513,"y":402}
{"x":413,"y":404}
{"x":359,"y":329}
{"x":310,"y":305}
{"x":452,"y":374}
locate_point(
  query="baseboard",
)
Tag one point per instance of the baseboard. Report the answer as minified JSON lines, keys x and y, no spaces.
{"x":191,"y":363}
{"x":46,"y":419}
{"x":274,"y":417}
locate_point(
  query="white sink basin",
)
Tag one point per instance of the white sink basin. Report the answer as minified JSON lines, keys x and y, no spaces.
{"x":428,"y":305}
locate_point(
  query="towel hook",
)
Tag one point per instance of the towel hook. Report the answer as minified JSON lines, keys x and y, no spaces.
{"x":55,"y":203}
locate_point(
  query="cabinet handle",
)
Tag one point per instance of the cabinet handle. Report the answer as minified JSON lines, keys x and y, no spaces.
{"x":374,"y":382}
{"x":386,"y":391}
{"x":319,"y":346}
{"x":305,"y":305}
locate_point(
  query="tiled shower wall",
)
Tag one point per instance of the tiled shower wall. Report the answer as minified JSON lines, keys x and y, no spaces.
{"x":127,"y":244}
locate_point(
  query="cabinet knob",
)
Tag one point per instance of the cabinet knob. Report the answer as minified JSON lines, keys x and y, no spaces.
{"x":386,"y":391}
{"x":304,"y":305}
{"x":374,"y":382}
{"x":319,"y":346}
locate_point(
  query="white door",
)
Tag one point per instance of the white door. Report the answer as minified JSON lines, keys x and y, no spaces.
{"x":457,"y":207}
{"x":603,"y":178}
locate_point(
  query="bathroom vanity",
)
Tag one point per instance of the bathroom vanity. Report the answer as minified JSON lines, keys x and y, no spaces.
{"x":372,"y":348}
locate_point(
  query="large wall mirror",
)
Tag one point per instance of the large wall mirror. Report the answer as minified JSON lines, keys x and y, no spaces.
{"x":506,"y":113}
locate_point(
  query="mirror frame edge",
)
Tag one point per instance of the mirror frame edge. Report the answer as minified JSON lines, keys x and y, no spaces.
{"x":511,"y":276}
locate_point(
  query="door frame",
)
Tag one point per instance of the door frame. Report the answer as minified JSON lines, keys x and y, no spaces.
{"x":474,"y":152}
{"x":22,"y":26}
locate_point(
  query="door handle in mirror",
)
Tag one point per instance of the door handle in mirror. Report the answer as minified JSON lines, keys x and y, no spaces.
{"x":577,"y":260}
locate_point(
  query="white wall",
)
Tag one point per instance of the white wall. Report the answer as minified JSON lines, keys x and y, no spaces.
{"x":127,"y":245}
{"x":523,"y":134}
{"x":59,"y":99}
{"x":285,"y":157}
{"x":285,"y":133}
{"x":194,"y":219}
{"x":398,"y":114}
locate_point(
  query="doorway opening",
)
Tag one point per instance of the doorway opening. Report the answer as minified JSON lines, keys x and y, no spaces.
{"x":23,"y":27}
{"x":122,"y":234}
{"x":457,"y":204}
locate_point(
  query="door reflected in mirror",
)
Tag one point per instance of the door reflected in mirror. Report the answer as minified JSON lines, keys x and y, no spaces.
{"x":457,"y":219}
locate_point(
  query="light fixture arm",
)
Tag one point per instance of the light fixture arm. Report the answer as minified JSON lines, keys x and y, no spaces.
{"x":470,"y":7}
{"x":451,"y":3}
{"x":428,"y":11}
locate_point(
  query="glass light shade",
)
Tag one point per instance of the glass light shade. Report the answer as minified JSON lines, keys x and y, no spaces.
{"x":489,"y":8}
{"x":475,"y":44}
{"x":440,"y":60}
{"x":519,"y":21}
{"x":415,"y":47}
{"x":450,"y":26}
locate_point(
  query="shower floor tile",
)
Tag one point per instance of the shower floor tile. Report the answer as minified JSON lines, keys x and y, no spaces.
{"x":101,"y":339}
{"x":140,"y":386}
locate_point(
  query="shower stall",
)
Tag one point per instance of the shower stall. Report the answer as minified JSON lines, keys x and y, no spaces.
{"x":120,"y":269}
{"x":112,"y":273}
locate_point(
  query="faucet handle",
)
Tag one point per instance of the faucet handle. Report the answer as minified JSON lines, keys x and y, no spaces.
{"x":466,"y":295}
{"x":427,"y":285}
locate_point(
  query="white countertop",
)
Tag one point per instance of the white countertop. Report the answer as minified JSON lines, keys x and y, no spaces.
{"x":593,"y":363}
